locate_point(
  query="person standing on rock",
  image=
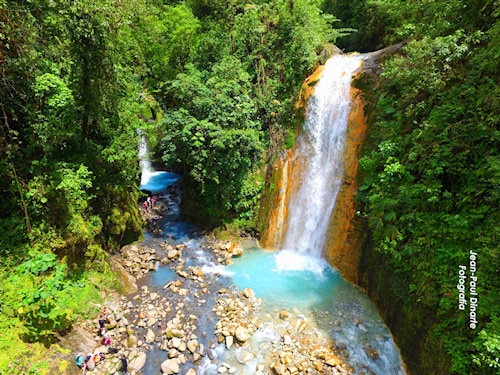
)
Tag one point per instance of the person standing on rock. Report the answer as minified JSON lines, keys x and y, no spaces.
{"x":102,"y":324}
{"x":124,"y":366}
{"x":107,"y":339}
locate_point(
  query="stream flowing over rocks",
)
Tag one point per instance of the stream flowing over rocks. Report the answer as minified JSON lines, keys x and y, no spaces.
{"x":182,"y":315}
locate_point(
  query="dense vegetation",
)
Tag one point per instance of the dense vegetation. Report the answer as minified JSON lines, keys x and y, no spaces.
{"x":209,"y":82}
{"x":212,"y":84}
{"x":430,"y":180}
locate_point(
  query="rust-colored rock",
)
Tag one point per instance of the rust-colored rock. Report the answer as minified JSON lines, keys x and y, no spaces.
{"x":343,"y":244}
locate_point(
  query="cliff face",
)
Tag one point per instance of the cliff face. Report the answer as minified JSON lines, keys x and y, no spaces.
{"x":343,"y":242}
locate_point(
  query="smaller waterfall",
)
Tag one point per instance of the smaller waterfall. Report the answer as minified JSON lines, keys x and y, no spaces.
{"x":152,"y":180}
{"x":144,"y":162}
{"x":319,"y":157}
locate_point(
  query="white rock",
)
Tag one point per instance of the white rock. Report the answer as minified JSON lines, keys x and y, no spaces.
{"x":150,"y":336}
{"x":192,"y":345}
{"x":244,"y":356}
{"x":242,"y":334}
{"x":229,"y":341}
{"x":170,"y":366}
{"x":137,"y":363}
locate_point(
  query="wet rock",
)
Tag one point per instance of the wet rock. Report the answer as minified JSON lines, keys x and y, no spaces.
{"x":196,"y":271}
{"x":202,"y":350}
{"x":191,"y":371}
{"x":278,"y":368}
{"x":175,"y":342}
{"x":362,"y":327}
{"x":192,"y":345}
{"x":333,"y":360}
{"x":237,"y":250}
{"x":301,"y":325}
{"x":172,"y":254}
{"x":372,"y":353}
{"x":132,"y":341}
{"x":210,"y":354}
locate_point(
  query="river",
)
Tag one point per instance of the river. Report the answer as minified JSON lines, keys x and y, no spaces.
{"x":334,"y":312}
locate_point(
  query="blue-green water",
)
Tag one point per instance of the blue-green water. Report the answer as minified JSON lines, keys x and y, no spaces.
{"x":316,"y":291}
{"x":306,"y":286}
{"x":284,"y":278}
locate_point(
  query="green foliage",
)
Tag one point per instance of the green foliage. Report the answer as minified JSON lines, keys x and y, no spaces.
{"x":289,"y":139}
{"x":430,"y":181}
{"x":487,"y":345}
{"x":245,"y":68}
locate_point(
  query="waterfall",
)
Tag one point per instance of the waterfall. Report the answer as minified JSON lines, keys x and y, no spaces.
{"x":319,"y":155}
{"x":144,"y":162}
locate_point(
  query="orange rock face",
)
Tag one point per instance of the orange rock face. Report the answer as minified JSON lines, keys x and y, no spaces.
{"x":343,"y":244}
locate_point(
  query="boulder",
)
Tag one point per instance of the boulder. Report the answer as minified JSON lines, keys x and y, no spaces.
{"x":248,"y":293}
{"x":333,"y":360}
{"x":192,"y":345}
{"x":137,"y":363}
{"x":242,"y":334}
{"x":284,"y":314}
{"x":244,"y":356}
{"x":372,"y":353}
{"x":229,"y":341}
{"x":170,"y":366}
{"x":278,"y":368}
{"x":150,"y":337}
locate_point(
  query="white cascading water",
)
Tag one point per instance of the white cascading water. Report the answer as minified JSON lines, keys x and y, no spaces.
{"x":144,"y":162}
{"x":321,"y":148}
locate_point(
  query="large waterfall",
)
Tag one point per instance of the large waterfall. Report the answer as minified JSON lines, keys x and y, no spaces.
{"x":319,"y":153}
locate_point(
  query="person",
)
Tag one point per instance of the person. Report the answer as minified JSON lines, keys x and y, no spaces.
{"x":149,"y":201}
{"x":98,"y":357}
{"x":146,"y":206}
{"x":105,"y":313}
{"x":89,"y":362}
{"x":102,"y":324}
{"x":124,"y":366}
{"x":154,"y":200}
{"x":107,"y":339}
{"x":79,"y":361}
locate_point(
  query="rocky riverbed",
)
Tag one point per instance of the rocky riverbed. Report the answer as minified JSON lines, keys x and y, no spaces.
{"x":202,"y":324}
